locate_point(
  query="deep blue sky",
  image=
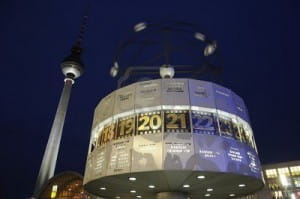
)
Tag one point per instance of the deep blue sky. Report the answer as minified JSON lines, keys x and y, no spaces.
{"x":260,"y":49}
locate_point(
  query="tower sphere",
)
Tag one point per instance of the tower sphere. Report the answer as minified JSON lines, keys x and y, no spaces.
{"x":166,"y":71}
{"x":72,"y":69}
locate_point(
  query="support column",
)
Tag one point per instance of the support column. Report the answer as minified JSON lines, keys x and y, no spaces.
{"x":171,"y":195}
{"x":50,"y":155}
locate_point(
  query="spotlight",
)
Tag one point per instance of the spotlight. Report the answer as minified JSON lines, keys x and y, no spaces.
{"x":186,"y":186}
{"x":132,"y":178}
{"x":140,"y":26}
{"x":201,"y":177}
{"x":199,"y":36}
{"x":210,"y":48}
{"x":166,"y":71}
{"x":114,"y":69}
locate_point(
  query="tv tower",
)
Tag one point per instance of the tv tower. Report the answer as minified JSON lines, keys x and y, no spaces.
{"x":72,"y":67}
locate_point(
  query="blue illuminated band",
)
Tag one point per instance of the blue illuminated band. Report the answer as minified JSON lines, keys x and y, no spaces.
{"x":177,"y":119}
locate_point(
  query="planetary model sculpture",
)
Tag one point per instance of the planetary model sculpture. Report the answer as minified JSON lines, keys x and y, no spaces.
{"x":72,"y":68}
{"x":171,"y":138}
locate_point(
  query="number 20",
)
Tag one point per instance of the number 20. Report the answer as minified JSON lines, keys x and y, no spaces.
{"x":152,"y":122}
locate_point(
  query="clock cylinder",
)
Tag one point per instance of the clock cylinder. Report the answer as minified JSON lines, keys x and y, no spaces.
{"x":183,"y":136}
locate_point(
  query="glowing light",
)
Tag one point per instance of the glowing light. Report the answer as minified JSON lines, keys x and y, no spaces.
{"x":54,"y":191}
{"x":117,"y":197}
{"x":132,"y":178}
{"x":295,"y":170}
{"x":103,"y":188}
{"x":271,"y":173}
{"x":210,"y":49}
{"x":283,"y":180}
{"x":140,"y":26}
{"x":293,"y":196}
{"x":207,"y":195}
{"x":199,"y":36}
{"x":242,"y":185}
{"x":201,"y":177}
{"x":151,"y":186}
{"x":114,"y":69}
{"x":186,"y":186}
{"x":232,"y":195}
{"x":132,"y":191}
{"x":209,"y":189}
{"x":139,"y":196}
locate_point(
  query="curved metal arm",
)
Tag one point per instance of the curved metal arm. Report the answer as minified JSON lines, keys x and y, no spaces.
{"x":129,"y":70}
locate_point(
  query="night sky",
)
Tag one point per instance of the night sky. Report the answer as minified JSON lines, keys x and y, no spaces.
{"x":260,"y":51}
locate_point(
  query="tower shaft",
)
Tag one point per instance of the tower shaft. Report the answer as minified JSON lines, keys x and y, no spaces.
{"x":50,"y":155}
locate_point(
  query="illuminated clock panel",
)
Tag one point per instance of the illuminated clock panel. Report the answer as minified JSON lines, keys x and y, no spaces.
{"x":148,"y":94}
{"x":175,"y":92}
{"x":172,"y":124}
{"x":104,"y":109}
{"x":201,"y":94}
{"x":223,"y":99}
{"x":124,"y":99}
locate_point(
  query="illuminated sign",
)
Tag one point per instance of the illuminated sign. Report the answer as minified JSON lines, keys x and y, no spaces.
{"x":147,"y":152}
{"x":107,"y":134}
{"x":148,"y":94}
{"x":225,"y":126}
{"x":172,"y":124}
{"x":177,"y":121}
{"x":149,"y":122}
{"x":204,"y":123}
{"x":120,"y":159}
{"x":126,"y":127}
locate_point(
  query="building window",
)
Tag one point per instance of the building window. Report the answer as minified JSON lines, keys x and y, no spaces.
{"x":271,"y":173}
{"x":283,"y":171}
{"x":297,"y":182}
{"x":285,"y":181}
{"x":295,"y":171}
{"x":54,"y":191}
{"x":292,"y":196}
{"x":277,"y":195}
{"x":274,"y":186}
